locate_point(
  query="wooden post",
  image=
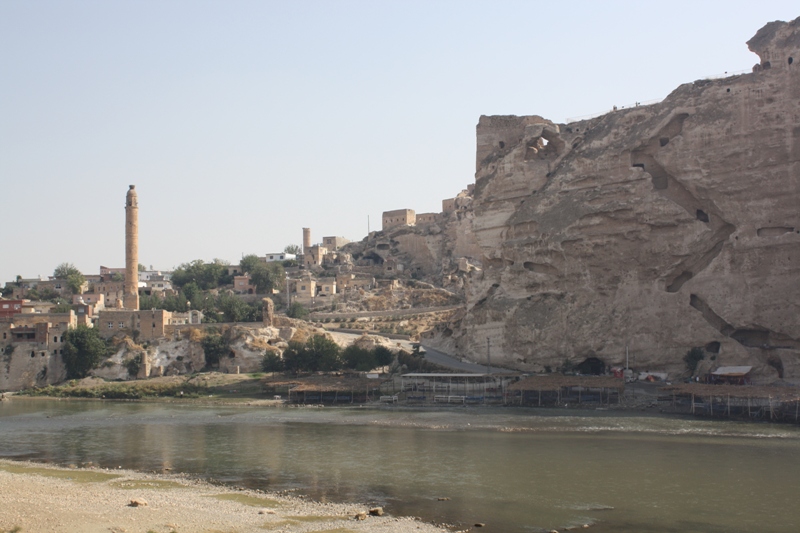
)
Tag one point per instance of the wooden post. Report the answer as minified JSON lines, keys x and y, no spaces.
{"x":540,"y":397}
{"x":692,"y":403}
{"x":797,"y":407}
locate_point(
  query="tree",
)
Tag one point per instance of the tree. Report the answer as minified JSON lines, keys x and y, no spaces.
{"x":358,"y":358}
{"x":75,"y":283}
{"x":249,"y":263}
{"x":297,"y":310}
{"x":215,"y":346}
{"x":383,"y":356}
{"x":140,"y":267}
{"x":267,"y":276}
{"x":272,"y":362}
{"x":64,"y":270}
{"x":318,"y":353}
{"x":83,"y":351}
{"x":324,"y":353}
{"x":72,"y":275}
{"x":205,"y":275}
{"x":234,"y":309}
{"x":116,"y":276}
{"x":693,"y":358}
{"x":293,"y":249}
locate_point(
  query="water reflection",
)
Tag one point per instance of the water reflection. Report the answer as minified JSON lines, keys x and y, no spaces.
{"x":515,"y":470}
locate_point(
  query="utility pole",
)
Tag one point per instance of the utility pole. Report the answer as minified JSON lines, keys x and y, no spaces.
{"x":488,"y":356}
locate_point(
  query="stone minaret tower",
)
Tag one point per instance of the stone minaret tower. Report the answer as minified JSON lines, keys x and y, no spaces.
{"x":306,"y":239}
{"x":130,"y":293}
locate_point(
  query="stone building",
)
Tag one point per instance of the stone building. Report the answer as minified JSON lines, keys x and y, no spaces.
{"x":112,"y":291}
{"x":143,"y":325}
{"x":333,"y":243}
{"x":399,"y":217}
{"x":243,"y":285}
{"x":9,"y":308}
{"x":428,"y":218}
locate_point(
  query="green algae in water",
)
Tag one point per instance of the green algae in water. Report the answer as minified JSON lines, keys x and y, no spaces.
{"x":297,"y":520}
{"x":78,"y":476}
{"x":156,"y":484}
{"x":244,"y":499}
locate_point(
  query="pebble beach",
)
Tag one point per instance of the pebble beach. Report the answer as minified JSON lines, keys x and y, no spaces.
{"x":42,"y":498}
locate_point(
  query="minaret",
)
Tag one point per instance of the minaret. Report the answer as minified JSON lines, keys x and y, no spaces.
{"x":130,"y":293}
{"x":306,"y":239}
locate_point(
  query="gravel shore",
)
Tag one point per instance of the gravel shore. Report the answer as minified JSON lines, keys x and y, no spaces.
{"x":41,"y":498}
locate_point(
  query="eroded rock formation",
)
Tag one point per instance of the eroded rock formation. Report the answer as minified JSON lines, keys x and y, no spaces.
{"x":659,"y":227}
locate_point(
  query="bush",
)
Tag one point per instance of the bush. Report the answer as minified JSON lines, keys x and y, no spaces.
{"x":134,"y":365}
{"x":692,"y":358}
{"x":272,"y":362}
{"x":297,"y":310}
{"x":214,"y":347}
{"x":83,"y":351}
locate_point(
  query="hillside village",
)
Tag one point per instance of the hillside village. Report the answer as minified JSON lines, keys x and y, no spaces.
{"x":368,"y":286}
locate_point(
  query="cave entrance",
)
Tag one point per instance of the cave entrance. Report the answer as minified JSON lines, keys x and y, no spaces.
{"x":591,"y":366}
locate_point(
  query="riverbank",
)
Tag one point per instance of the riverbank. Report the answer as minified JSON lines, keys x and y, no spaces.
{"x":43,"y":498}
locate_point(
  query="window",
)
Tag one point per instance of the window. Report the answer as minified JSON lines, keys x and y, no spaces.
{"x":110,"y":325}
{"x":302,"y":287}
{"x":55,"y":339}
{"x":121,"y":325}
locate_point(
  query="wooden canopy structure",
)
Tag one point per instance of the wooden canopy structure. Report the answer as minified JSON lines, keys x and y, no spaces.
{"x":555,"y":389}
{"x":326,"y":389}
{"x":743,"y":401}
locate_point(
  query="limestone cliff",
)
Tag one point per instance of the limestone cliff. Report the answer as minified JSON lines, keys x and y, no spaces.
{"x":659,"y":227}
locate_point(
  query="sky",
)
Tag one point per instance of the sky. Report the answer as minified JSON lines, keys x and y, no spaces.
{"x":241,"y":122}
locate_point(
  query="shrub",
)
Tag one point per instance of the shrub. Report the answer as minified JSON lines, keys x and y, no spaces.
{"x":272,"y":362}
{"x":693,"y":357}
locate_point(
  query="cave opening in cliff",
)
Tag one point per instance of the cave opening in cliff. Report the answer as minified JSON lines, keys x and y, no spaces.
{"x":712,"y":347}
{"x":591,"y":366}
{"x":702,"y":216}
{"x":791,"y":60}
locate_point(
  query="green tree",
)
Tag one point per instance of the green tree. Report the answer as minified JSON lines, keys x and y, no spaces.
{"x":75,"y":283}
{"x":205,"y":275}
{"x":324,"y":353}
{"x":267,"y":276}
{"x":249,"y":263}
{"x":358,"y":358}
{"x":297,"y":310}
{"x":234,"y":309}
{"x":383,"y":356}
{"x":83,"y":351}
{"x":295,"y":357}
{"x":140,"y":267}
{"x":319,"y":353}
{"x":272,"y":362}
{"x":116,"y":276}
{"x":293,"y":249}
{"x":215,"y":346}
{"x":64,"y":270}
{"x":693,"y":358}
{"x":62,"y":306}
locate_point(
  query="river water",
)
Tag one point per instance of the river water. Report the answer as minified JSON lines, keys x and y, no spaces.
{"x":516,"y":470}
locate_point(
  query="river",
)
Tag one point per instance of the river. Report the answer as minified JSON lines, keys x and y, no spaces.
{"x":516,"y":470}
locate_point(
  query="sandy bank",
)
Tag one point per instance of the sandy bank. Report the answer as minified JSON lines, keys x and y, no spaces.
{"x":41,"y":498}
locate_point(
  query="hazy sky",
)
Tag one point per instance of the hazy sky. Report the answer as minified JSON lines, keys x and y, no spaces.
{"x":242,"y":122}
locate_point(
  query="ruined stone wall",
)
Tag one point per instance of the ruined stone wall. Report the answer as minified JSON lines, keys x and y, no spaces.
{"x":659,"y":227}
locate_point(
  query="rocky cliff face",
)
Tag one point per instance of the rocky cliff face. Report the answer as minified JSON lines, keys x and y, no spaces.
{"x":660,"y":228}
